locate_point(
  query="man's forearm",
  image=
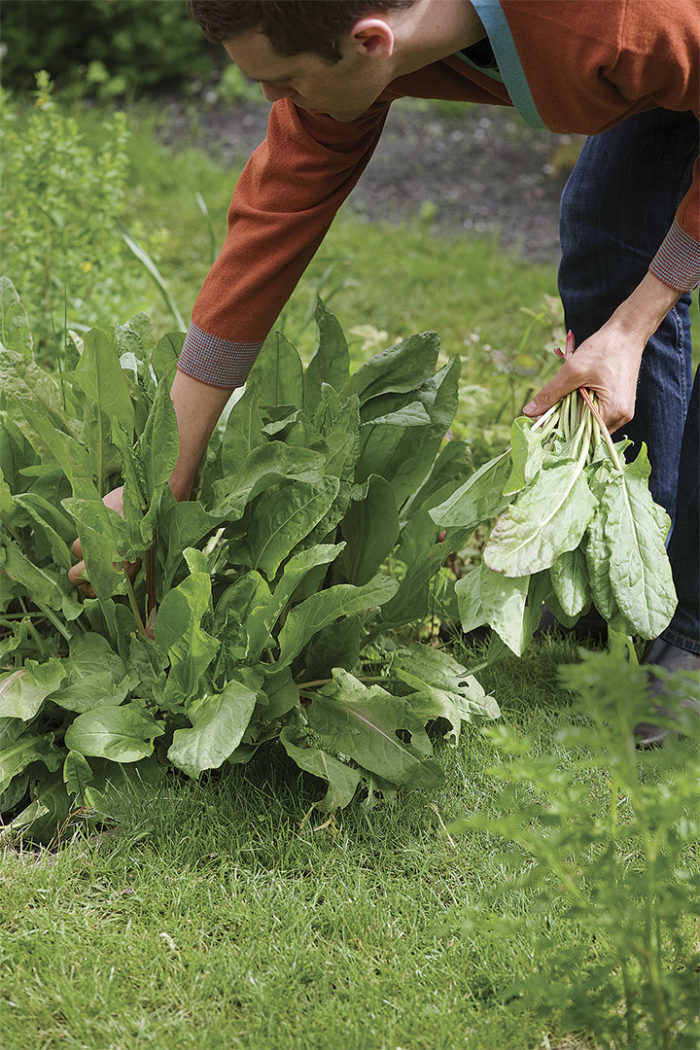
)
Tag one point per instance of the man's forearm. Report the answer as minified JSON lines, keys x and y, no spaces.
{"x":646,"y":307}
{"x":198,"y":408}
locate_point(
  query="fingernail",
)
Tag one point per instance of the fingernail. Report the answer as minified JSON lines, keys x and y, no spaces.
{"x":530,"y":409}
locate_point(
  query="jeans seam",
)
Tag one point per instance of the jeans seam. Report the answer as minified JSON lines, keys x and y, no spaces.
{"x":679,"y":347}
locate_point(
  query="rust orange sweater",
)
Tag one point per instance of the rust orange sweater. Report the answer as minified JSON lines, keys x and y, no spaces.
{"x":578,"y":66}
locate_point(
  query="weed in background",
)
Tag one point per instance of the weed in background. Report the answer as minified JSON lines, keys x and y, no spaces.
{"x":607,"y":845}
{"x":63,"y":199}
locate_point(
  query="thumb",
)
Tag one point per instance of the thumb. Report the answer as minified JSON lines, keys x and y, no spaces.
{"x":557,"y":388}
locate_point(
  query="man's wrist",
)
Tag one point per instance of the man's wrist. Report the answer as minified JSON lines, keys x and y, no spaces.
{"x":641,"y":314}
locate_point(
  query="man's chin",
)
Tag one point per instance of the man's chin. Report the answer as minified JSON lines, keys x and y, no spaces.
{"x":346,"y":116}
{"x":343,"y":116}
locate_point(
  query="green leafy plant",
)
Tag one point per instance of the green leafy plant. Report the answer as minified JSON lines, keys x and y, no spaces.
{"x":604,"y":839}
{"x":575,"y":526}
{"x":265,"y":611}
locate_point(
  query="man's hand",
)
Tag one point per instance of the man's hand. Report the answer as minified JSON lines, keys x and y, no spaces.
{"x":607,"y":363}
{"x":114,"y":501}
{"x":197,"y":407}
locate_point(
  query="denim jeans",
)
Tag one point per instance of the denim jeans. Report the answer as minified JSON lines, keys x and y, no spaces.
{"x":617,"y":206}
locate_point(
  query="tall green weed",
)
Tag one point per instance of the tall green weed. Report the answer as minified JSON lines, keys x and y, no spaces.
{"x":62,"y":203}
{"x":603,"y":839}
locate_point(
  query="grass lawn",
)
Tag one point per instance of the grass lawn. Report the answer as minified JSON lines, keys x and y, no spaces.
{"x":231,"y":914}
{"x":224,"y":915}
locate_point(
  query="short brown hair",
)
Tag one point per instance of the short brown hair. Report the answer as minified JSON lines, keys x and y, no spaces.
{"x":292,"y":26}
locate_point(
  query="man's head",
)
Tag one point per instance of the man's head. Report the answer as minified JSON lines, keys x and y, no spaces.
{"x":325,"y":56}
{"x":292,"y":26}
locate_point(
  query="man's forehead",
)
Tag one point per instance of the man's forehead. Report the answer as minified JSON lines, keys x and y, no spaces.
{"x":257,"y":59}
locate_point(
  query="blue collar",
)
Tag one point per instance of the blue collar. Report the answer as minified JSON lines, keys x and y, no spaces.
{"x":509,"y":66}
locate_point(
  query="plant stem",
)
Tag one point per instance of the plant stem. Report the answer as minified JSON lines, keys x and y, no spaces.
{"x":545,"y":416}
{"x":33,"y":631}
{"x":151,"y":579}
{"x":53,"y":619}
{"x":13,"y":532}
{"x":603,"y":429}
{"x":359,"y":677}
{"x":134,"y":605}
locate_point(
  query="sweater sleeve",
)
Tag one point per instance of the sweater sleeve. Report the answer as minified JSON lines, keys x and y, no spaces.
{"x":660,"y":60}
{"x":283,"y":204}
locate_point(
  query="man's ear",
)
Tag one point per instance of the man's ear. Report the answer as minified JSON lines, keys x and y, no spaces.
{"x":373,"y":37}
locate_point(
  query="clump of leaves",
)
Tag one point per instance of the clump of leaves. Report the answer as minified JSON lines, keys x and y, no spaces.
{"x":576,"y":527}
{"x":603,"y":837}
{"x":265,"y":611}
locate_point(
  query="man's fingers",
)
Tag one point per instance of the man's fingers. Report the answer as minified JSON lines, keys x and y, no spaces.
{"x":132,"y":567}
{"x":76,"y":577}
{"x":615,"y":405}
{"x":554,"y":391}
{"x":75,"y":573}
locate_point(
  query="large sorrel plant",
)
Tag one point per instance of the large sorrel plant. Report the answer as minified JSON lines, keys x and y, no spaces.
{"x":265,"y":611}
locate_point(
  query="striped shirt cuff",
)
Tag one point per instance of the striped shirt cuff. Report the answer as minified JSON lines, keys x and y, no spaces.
{"x":214,"y":361}
{"x":677,"y":262}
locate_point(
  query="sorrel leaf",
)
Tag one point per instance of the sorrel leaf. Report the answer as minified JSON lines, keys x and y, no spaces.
{"x":330,"y":363}
{"x":379,"y":731}
{"x":635,"y":530}
{"x":570,"y":582}
{"x":284,"y":517}
{"x":179,"y":631}
{"x":402,"y":367}
{"x":278,"y":372}
{"x":549,"y":517}
{"x":423,"y":666}
{"x":120,"y":733}
{"x":370,"y":528}
{"x":503,"y":601}
{"x":322,"y":608}
{"x":264,"y":468}
{"x":342,"y":779}
{"x":477,"y":499}
{"x":218,"y":725}
{"x":19,"y":749}
{"x":100,"y":376}
{"x":22,"y":692}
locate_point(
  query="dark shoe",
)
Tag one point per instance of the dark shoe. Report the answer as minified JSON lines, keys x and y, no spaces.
{"x":670,"y":658}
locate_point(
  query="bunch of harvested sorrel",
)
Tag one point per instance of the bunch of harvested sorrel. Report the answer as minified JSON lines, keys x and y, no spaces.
{"x":575,"y":527}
